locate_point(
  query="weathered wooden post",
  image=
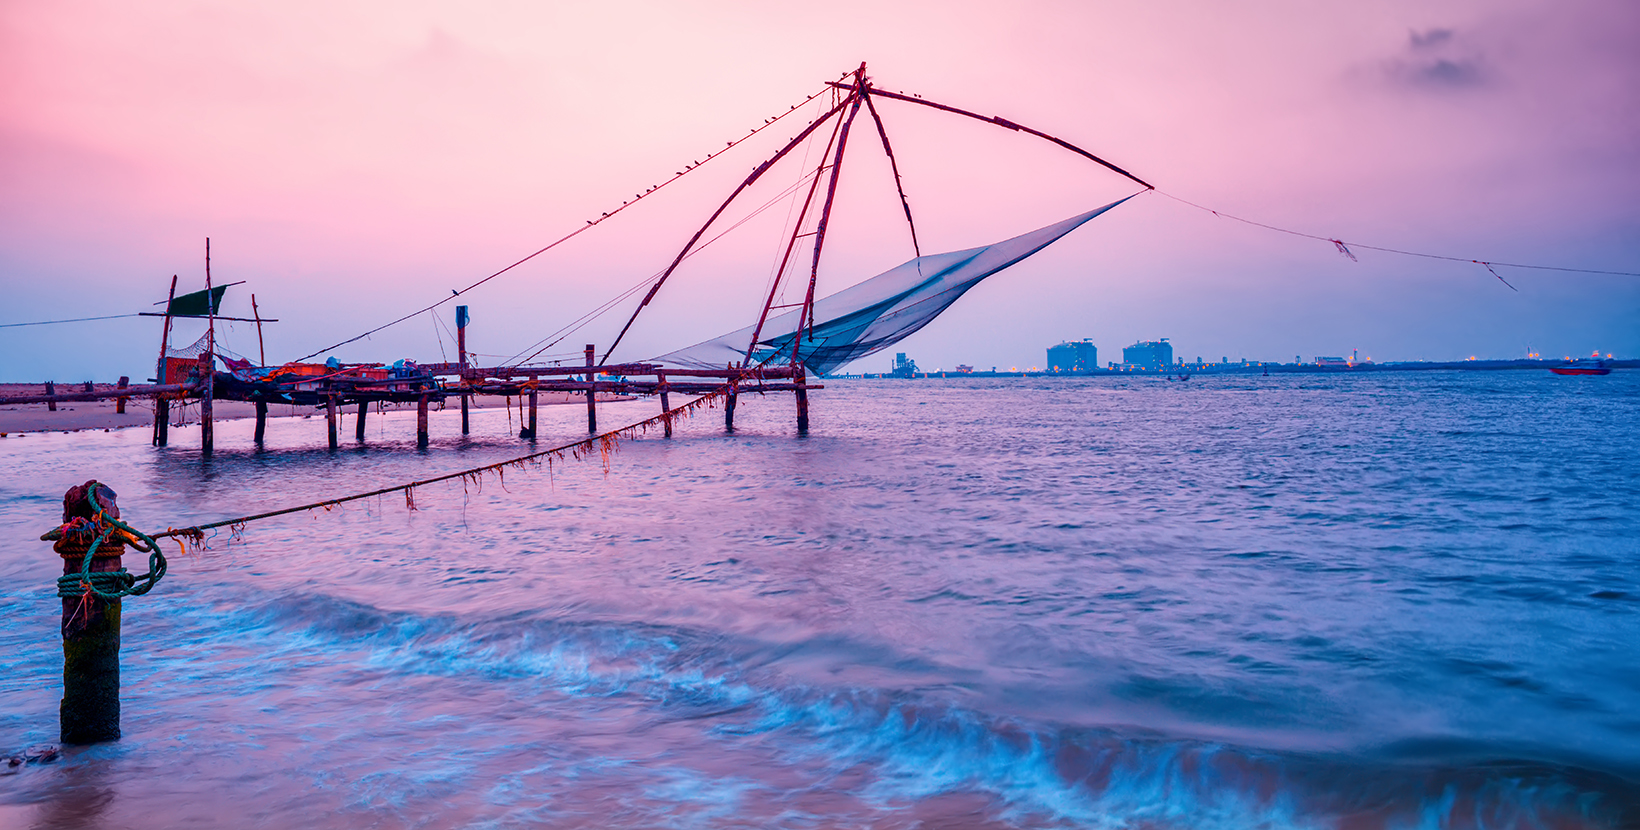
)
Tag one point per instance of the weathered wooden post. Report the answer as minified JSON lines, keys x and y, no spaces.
{"x":51,"y":389}
{"x":592,"y":393}
{"x":666,"y":400}
{"x":531,"y":428}
{"x":801,"y":380}
{"x":162,"y":404}
{"x":261,"y":421}
{"x":162,"y":419}
{"x":207,"y":394}
{"x":729,"y":400}
{"x":421,"y":420}
{"x":358,"y":426}
{"x":461,"y":360}
{"x":330,"y":418}
{"x":119,"y":403}
{"x":89,"y":387}
{"x":90,"y":709}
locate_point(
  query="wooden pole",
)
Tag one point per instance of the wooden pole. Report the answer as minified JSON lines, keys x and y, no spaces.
{"x":261,"y":421}
{"x":801,"y":380}
{"x":162,"y":405}
{"x":119,"y":403}
{"x":207,"y":431}
{"x":592,"y":393}
{"x":729,"y":401}
{"x":666,"y":400}
{"x":461,"y":360}
{"x":464,"y":423}
{"x":207,"y":393}
{"x":90,"y":709}
{"x":330,"y":418}
{"x":358,"y":427}
{"x":51,"y":389}
{"x":531,"y":428}
{"x":261,"y":351}
{"x":421,"y":421}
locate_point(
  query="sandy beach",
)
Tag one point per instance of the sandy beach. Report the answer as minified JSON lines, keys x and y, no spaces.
{"x":75,"y":416}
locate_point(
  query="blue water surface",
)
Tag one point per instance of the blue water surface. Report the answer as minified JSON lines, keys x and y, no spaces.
{"x":1333,"y":601}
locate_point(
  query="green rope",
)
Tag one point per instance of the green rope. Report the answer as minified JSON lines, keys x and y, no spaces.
{"x":112,"y":585}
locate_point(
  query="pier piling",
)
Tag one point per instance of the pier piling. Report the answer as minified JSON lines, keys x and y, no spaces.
{"x":51,"y":389}
{"x":119,"y":403}
{"x":666,"y":400}
{"x":421,"y":421}
{"x":358,"y":426}
{"x":261,"y":421}
{"x":207,"y":430}
{"x":90,"y":709}
{"x":330,"y":418}
{"x":592,"y":392}
{"x":800,"y":379}
{"x":465,"y":427}
{"x":531,"y":428}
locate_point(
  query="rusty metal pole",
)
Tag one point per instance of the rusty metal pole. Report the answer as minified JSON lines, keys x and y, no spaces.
{"x":90,"y":709}
{"x":666,"y":400}
{"x":592,"y":392}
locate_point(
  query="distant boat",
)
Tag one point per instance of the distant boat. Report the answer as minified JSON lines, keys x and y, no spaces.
{"x":1583,"y":366}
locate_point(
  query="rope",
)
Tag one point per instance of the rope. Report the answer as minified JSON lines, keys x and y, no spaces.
{"x":75,"y":320}
{"x":109,"y":585}
{"x":604,"y":444}
{"x":1344,"y":249}
{"x":688,"y":168}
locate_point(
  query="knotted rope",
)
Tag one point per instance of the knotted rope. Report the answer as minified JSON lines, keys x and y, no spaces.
{"x":92,"y":534}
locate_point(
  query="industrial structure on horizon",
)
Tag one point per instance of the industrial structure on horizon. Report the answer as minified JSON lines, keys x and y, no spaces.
{"x":1147,"y":355}
{"x":1073,"y":356}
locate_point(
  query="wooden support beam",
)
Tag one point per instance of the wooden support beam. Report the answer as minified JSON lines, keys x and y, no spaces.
{"x":729,"y":404}
{"x":119,"y":403}
{"x":330,"y":419}
{"x":592,"y":392}
{"x":802,"y":394}
{"x":128,"y":392}
{"x":261,"y":421}
{"x":162,"y":420}
{"x":531,"y":428}
{"x":666,"y":400}
{"x":358,"y":428}
{"x":464,"y":422}
{"x":207,"y":394}
{"x":421,"y":421}
{"x":51,"y":392}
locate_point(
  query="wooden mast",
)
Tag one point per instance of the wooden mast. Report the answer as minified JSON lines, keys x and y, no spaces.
{"x":207,"y":438}
{"x":162,"y":405}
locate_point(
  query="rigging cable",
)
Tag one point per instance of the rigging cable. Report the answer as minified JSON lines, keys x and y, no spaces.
{"x":577,"y":232}
{"x":1345,"y":246}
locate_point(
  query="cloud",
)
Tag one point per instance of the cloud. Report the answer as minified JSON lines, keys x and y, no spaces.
{"x":1437,"y":60}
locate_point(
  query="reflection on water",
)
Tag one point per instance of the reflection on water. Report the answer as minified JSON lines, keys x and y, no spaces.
{"x":1376,"y":601}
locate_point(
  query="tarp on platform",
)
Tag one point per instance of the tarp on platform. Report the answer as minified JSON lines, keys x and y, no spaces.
{"x":877,"y":313}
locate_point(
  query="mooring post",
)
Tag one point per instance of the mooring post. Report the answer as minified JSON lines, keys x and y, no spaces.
{"x":461,"y":360}
{"x":119,"y":403}
{"x":207,"y":377}
{"x":261,"y":421}
{"x":464,"y":424}
{"x":592,"y":393}
{"x":162,"y":419}
{"x":330,"y":418}
{"x":666,"y":401}
{"x":90,"y":710}
{"x":358,"y":428}
{"x":729,"y":400}
{"x":531,"y":427}
{"x":800,"y":380}
{"x":421,"y":420}
{"x":51,"y":389}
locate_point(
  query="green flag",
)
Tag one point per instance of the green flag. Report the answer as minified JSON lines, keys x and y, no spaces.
{"x":194,"y":305}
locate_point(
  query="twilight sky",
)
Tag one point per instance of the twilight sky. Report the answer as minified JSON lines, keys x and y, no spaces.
{"x":354,"y":161}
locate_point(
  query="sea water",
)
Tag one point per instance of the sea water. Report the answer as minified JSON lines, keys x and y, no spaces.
{"x":1388,"y":600}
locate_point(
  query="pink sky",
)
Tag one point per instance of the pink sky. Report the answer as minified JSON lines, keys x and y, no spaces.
{"x":354,"y":161}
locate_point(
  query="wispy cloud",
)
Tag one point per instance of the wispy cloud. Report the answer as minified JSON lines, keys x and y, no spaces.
{"x":1436,"y":58}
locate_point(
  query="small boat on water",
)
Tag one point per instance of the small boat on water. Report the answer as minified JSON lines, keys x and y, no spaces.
{"x":1583,"y":366}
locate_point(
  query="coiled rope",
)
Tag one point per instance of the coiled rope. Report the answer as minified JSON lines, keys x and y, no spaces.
{"x":99,"y":529}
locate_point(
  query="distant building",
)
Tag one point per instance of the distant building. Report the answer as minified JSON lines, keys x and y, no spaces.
{"x":904,"y":367}
{"x":1331,"y":361}
{"x":1076,"y":356}
{"x":1156,"y":355}
{"x":964,"y":369}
